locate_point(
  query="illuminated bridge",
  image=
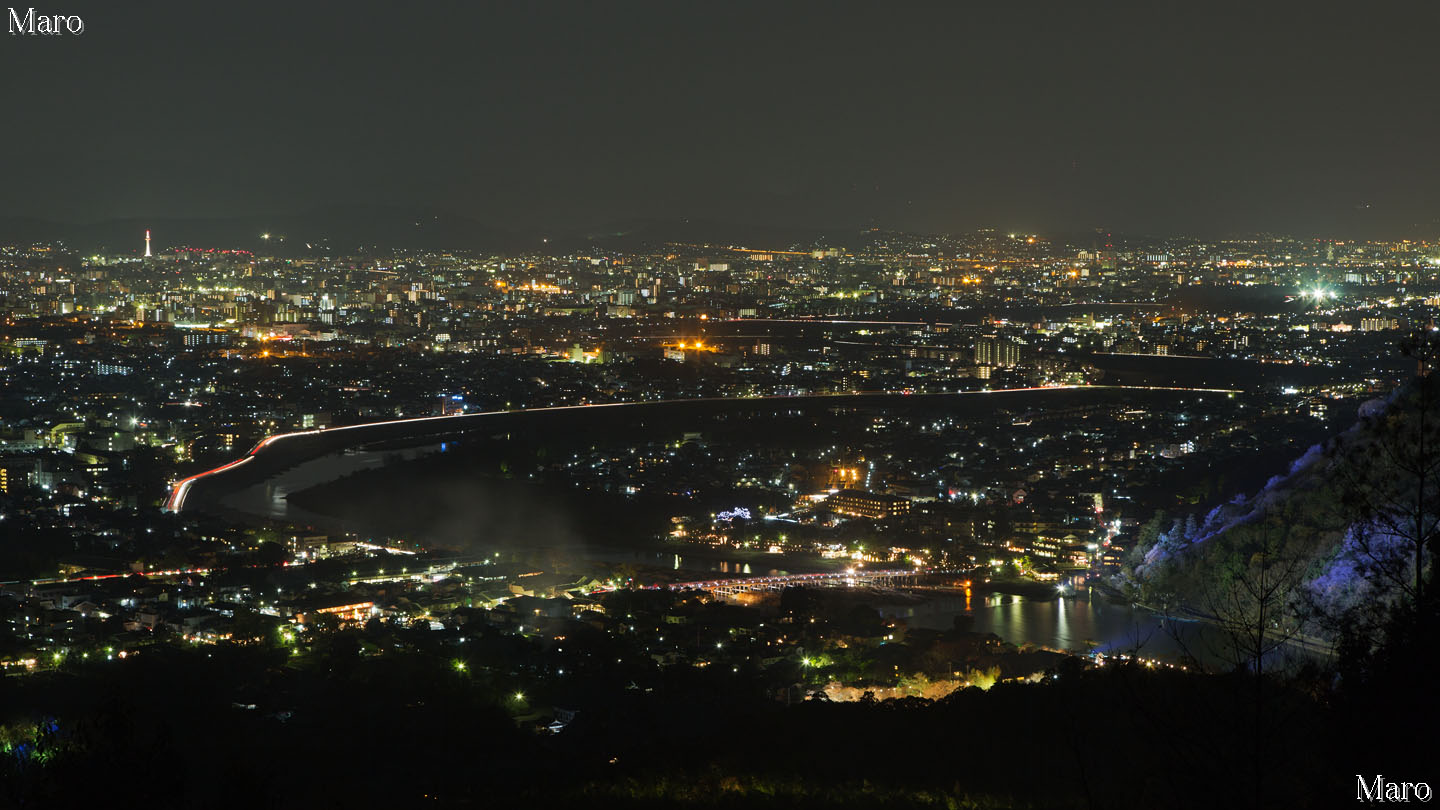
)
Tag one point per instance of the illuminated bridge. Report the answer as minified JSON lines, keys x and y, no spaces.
{"x":843,"y":579}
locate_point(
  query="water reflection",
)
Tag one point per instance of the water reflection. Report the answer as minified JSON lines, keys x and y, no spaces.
{"x":268,"y":498}
{"x":1078,"y":622}
{"x":1067,"y":623}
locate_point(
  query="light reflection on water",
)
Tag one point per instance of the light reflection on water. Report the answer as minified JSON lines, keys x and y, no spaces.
{"x":1079,"y":622}
{"x":720,"y":566}
{"x":1068,"y":623}
{"x":268,"y":498}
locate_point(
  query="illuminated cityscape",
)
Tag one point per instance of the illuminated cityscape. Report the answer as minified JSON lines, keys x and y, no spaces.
{"x":766,"y":474}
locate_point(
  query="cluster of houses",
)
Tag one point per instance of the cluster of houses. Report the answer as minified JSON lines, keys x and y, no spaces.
{"x":120,"y":613}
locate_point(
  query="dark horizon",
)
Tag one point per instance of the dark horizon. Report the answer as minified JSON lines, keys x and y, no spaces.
{"x":1306,"y":120}
{"x":631,"y":233}
{"x":763,"y":404}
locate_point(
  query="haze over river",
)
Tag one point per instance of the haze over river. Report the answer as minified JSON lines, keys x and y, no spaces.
{"x":1080,"y":620}
{"x":1066,"y":623}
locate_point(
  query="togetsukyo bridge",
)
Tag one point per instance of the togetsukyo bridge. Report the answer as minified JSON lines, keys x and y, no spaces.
{"x":843,"y":579}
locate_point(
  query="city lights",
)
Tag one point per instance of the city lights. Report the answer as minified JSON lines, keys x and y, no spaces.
{"x":1029,"y":406}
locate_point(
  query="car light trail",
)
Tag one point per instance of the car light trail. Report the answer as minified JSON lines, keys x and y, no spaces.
{"x":176,"y":501}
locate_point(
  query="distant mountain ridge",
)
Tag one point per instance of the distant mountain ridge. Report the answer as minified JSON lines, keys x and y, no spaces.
{"x":331,"y":229}
{"x":651,"y":232}
{"x":354,"y":228}
{"x":340,"y":229}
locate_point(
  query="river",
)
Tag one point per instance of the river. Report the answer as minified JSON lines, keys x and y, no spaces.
{"x":1082,"y":619}
{"x":1068,"y":622}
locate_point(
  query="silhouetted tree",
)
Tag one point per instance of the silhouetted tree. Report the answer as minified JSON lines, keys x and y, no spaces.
{"x":1391,"y":484}
{"x":270,"y":554}
{"x":1252,"y":599}
{"x":1253,"y":603}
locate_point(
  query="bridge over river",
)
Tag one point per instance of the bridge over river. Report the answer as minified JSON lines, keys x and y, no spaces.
{"x":846,"y":579}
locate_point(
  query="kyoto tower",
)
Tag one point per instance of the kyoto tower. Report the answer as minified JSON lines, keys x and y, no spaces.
{"x":147,"y":243}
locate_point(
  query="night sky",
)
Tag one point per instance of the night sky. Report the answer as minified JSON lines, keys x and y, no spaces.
{"x":1182,"y":118}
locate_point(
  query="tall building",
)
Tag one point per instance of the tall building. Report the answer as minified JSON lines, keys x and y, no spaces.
{"x":859,"y":503}
{"x":1105,"y":250}
{"x":147,"y":243}
{"x":996,"y":350}
{"x":200,"y":338}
